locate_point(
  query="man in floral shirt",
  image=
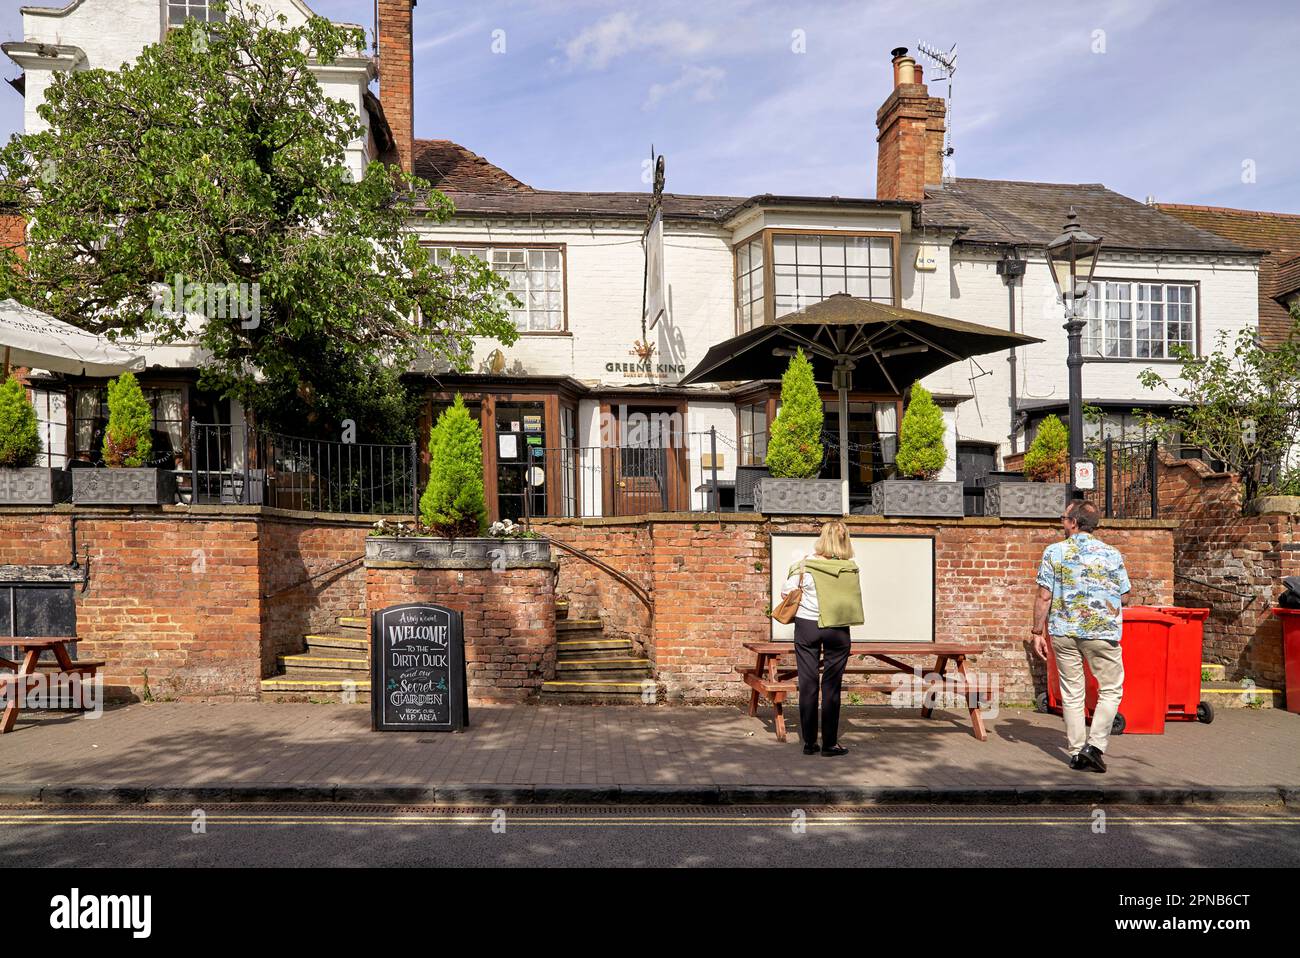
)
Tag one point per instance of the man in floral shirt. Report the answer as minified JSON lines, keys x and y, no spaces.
{"x":1082,"y":584}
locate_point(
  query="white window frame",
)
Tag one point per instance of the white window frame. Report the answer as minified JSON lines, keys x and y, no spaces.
{"x":832,"y":277}
{"x":1119,"y":311}
{"x":751,"y":290}
{"x":200,"y":10}
{"x":552,"y":265}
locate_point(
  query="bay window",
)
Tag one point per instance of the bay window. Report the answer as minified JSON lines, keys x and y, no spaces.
{"x":1132,"y":320}
{"x":778,"y":273}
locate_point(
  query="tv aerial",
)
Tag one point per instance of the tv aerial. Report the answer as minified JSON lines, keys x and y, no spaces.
{"x":947,"y":64}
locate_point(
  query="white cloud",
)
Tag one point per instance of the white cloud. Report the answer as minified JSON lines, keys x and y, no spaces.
{"x":700,"y":82}
{"x":619,"y":34}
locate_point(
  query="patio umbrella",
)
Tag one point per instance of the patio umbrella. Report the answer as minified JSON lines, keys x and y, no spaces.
{"x":853,"y":342}
{"x":35,"y":339}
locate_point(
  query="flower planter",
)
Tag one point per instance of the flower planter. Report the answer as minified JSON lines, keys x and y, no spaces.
{"x":1026,"y":500}
{"x":126,"y":486}
{"x":426,"y":552}
{"x":917,"y":497}
{"x":34,"y":486}
{"x":808,"y":497}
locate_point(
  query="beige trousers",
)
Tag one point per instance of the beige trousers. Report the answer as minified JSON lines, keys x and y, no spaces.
{"x":1107,"y":667}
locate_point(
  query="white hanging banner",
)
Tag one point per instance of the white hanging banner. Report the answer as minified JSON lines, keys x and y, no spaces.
{"x":656,"y":288}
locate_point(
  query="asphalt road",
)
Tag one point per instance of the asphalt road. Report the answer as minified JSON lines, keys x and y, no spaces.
{"x":956,"y":836}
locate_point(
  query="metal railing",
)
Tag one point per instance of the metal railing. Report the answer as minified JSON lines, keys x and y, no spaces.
{"x":243,"y":465}
{"x":1127,"y":481}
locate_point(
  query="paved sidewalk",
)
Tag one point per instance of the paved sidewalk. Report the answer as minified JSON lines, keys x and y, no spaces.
{"x":288,"y":752}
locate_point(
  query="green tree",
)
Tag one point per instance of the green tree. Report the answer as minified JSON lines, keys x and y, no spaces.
{"x":453,"y":504}
{"x":1049,"y":454}
{"x":20,"y":437}
{"x":127,"y":439}
{"x":921,"y":453}
{"x":794,"y":450}
{"x":216,"y":160}
{"x":1240,"y":404}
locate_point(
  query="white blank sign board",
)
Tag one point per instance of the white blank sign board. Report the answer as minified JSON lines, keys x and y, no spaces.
{"x":897,"y":576}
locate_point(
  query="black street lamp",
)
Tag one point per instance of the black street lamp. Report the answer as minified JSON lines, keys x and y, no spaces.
{"x":1072,"y":257}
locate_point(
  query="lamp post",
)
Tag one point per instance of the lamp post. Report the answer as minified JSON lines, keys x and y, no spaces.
{"x":1072,"y":257}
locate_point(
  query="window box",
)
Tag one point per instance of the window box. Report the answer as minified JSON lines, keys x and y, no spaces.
{"x":34,"y":486}
{"x":1025,"y":500}
{"x":805,"y":497}
{"x":123,"y":486}
{"x":917,"y":497}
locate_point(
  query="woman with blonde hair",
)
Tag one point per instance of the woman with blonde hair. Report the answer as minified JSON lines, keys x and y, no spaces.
{"x":831,"y":601}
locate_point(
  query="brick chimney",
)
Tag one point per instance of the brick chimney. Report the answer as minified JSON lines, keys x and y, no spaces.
{"x":910,"y":142}
{"x":396,"y":74}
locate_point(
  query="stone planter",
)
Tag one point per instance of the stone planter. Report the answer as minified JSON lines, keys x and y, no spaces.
{"x":917,"y":497}
{"x":123,"y":487}
{"x":34,"y":486}
{"x":808,"y":497}
{"x":1026,"y":500}
{"x":426,"y":552}
{"x":1274,"y":506}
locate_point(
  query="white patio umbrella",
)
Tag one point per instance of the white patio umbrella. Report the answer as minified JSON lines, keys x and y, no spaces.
{"x":35,"y":339}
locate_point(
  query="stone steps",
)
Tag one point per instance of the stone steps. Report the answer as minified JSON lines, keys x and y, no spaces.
{"x":1233,"y":695}
{"x":335,"y":667}
{"x":591,"y":669}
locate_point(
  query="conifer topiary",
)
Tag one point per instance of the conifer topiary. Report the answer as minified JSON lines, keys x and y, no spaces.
{"x":921,"y":452}
{"x":20,"y":437}
{"x":127,"y":440}
{"x":1048,"y":457}
{"x":794,"y":450}
{"x":453,"y":504}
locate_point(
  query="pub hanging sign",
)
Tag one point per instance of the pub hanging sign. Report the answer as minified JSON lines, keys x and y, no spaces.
{"x":417,"y":669}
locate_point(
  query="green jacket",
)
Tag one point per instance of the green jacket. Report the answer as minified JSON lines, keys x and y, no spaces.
{"x":839,"y":592}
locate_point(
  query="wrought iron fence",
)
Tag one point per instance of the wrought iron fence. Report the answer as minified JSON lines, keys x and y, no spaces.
{"x":1127,"y":483}
{"x":243,"y":465}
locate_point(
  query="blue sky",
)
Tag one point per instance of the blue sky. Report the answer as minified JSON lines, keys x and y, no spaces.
{"x":1182,"y":100}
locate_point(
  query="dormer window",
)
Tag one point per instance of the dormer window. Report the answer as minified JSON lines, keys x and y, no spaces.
{"x":178,"y":11}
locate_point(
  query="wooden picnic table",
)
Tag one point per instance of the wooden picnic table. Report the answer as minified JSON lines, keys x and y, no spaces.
{"x":25,"y":671}
{"x":769,"y":679}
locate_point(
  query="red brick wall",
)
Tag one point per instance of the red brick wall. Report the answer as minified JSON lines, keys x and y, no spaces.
{"x":173,"y":596}
{"x":624,"y":545}
{"x":509,"y":621}
{"x":189,"y":596}
{"x":293,"y":550}
{"x":710,"y":586}
{"x":1231,"y":564}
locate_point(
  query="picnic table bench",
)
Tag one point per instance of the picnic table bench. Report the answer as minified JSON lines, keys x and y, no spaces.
{"x":768,"y":678}
{"x":26,"y":671}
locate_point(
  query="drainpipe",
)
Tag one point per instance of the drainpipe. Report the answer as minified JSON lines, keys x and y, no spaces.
{"x":1011,"y":268}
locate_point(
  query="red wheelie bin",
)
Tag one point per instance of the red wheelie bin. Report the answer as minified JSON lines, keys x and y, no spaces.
{"x":1186,"y":642}
{"x":1291,"y":655}
{"x":1145,"y":650}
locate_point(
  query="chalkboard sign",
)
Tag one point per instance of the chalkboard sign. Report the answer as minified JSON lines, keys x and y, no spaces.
{"x":417,"y":670}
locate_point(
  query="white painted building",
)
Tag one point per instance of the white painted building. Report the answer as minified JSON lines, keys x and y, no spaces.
{"x":576,"y":260}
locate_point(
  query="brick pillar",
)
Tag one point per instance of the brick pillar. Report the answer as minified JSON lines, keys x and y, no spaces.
{"x":396,"y":73}
{"x":13,"y":232}
{"x":910,"y":141}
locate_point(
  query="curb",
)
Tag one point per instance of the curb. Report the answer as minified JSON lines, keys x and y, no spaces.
{"x":686,"y":795}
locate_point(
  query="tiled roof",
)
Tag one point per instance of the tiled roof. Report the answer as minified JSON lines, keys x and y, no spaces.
{"x":560,"y":203}
{"x":1279,"y":271}
{"x":1008,"y":211}
{"x":449,"y":166}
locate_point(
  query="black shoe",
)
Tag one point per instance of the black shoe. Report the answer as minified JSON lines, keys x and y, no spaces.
{"x":812,"y":749}
{"x":1078,"y":764}
{"x":1090,"y":758}
{"x":832,"y":750}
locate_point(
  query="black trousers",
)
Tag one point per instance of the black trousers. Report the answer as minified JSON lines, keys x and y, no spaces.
{"x":811,"y":643}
